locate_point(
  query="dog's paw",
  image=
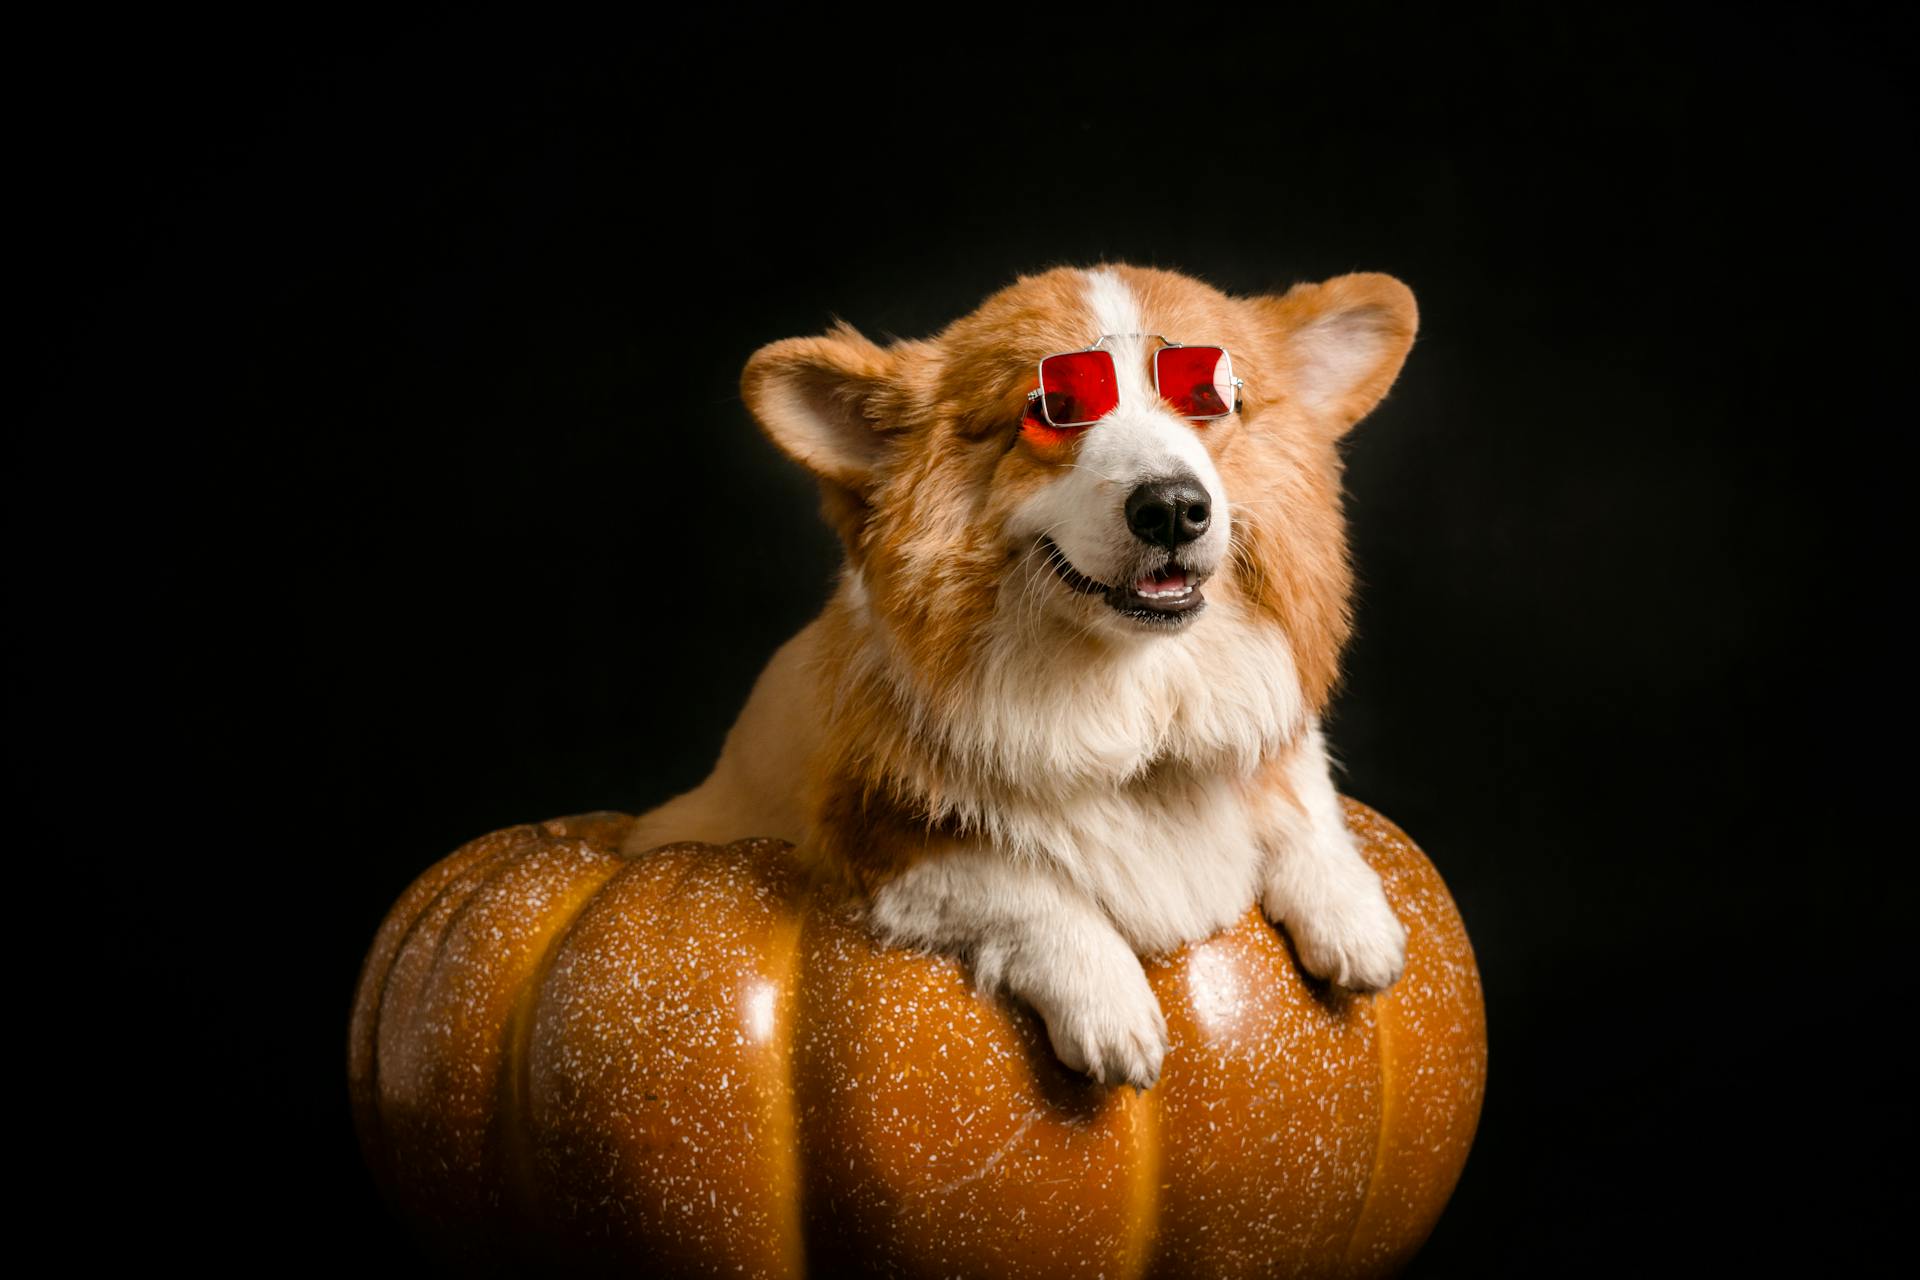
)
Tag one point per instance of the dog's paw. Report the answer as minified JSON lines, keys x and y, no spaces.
{"x":1352,"y":940}
{"x":1114,"y":1032}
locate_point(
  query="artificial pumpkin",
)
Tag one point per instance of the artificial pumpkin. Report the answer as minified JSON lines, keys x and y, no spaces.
{"x":688,"y":1062}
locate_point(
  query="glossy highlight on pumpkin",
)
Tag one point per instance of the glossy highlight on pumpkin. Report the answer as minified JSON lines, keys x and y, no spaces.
{"x":690,"y":1062}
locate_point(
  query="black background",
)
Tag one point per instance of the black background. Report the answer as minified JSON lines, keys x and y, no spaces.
{"x":383,"y":481}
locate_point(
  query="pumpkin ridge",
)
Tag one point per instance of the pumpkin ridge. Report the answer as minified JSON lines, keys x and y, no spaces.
{"x":1385,"y":1046}
{"x":501,"y":916}
{"x":1386,"y":1043}
{"x":456,"y":868}
{"x":1438,"y":948}
{"x":1146,"y":1114}
{"x":786,"y":962}
{"x":514,"y":1142}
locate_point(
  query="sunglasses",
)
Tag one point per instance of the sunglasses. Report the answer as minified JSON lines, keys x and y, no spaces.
{"x":1078,"y":388}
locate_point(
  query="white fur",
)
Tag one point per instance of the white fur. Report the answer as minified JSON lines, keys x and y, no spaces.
{"x":1219,"y":697}
{"x":1319,"y":886}
{"x":1124,"y":775}
{"x":1115,"y":309}
{"x":1057,"y":898}
{"x":1038,"y":937}
{"x":1084,"y":512}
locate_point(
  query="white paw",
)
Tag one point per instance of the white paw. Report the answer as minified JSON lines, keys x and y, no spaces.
{"x":1111,"y":1029}
{"x":1352,"y":939}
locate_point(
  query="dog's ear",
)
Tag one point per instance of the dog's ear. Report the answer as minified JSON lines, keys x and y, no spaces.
{"x":815,"y":398}
{"x":1341,"y":343}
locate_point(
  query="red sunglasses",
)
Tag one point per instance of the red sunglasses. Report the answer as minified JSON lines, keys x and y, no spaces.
{"x":1078,"y":388}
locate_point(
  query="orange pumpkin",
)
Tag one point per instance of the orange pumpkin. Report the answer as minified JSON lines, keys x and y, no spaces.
{"x":689,"y":1063}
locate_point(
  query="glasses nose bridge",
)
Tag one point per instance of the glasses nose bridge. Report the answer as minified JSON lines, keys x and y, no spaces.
{"x":1143,"y":366}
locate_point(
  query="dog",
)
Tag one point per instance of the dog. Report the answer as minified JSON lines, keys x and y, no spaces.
{"x":1063,"y":708}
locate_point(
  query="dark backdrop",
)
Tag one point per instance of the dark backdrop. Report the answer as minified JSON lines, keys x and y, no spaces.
{"x":376,"y":367}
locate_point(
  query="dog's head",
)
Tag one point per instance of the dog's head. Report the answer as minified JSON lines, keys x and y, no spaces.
{"x":975,"y":528}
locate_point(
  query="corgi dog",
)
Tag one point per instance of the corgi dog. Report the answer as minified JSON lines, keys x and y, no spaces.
{"x":1063,"y":708}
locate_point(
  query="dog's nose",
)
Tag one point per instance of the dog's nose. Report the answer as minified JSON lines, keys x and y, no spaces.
{"x":1168,"y":512}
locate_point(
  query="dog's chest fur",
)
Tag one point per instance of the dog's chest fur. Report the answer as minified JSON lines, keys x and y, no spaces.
{"x":1138,"y":779}
{"x":1168,"y":859}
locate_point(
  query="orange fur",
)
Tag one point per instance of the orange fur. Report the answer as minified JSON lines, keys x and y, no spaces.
{"x":921,"y":462}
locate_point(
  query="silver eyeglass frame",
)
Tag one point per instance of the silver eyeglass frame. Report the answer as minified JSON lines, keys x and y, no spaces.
{"x":1168,"y":344}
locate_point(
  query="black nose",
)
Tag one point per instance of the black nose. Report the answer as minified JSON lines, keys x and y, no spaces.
{"x":1168,"y":512}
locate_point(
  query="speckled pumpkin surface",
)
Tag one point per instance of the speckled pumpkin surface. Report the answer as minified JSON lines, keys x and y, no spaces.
{"x":684,"y":1064}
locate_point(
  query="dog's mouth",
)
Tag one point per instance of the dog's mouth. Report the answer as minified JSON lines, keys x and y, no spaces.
{"x":1168,"y":594}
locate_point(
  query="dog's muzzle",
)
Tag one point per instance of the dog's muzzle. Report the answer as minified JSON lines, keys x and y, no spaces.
{"x":1167,"y":594}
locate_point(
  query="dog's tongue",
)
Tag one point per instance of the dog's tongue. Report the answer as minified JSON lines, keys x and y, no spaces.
{"x":1171,"y":578}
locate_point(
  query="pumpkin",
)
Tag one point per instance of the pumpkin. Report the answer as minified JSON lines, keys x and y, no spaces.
{"x":688,"y":1062}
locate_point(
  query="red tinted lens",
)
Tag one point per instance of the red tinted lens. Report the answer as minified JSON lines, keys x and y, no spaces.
{"x":1077,"y":388}
{"x":1196,"y":381}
